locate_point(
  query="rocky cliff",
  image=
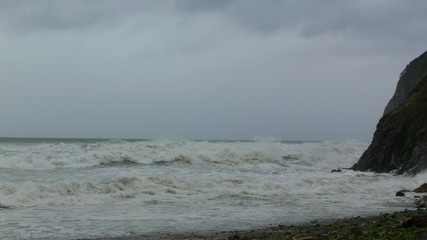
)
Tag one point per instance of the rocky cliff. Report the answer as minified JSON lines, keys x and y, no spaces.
{"x":409,"y":78}
{"x":399,"y":144}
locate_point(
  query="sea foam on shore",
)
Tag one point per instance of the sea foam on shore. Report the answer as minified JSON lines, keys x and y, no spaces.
{"x":99,"y":188}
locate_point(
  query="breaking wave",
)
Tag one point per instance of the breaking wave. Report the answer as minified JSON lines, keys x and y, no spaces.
{"x":210,"y":154}
{"x":106,"y":185}
{"x":346,"y":184}
{"x":29,"y":194}
{"x":168,"y":188}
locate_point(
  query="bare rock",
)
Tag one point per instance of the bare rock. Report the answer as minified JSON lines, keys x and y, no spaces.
{"x":415,"y":222}
{"x":399,"y":144}
{"x":421,"y":189}
{"x":422,"y":202}
{"x":400,"y":194}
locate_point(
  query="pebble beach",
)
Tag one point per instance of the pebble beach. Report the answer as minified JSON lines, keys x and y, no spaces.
{"x":397,"y":225}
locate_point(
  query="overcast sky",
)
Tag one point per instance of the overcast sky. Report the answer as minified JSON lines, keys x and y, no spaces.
{"x":203,"y":69}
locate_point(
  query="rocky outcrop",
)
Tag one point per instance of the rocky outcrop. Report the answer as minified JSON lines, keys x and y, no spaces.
{"x":409,"y":78}
{"x":400,"y":141}
{"x":421,"y":189}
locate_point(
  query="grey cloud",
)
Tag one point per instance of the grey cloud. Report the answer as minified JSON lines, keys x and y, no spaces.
{"x":381,"y":20}
{"x":27,"y":15}
{"x":314,"y":18}
{"x":197,"y":5}
{"x":203,"y":68}
{"x":263,"y":16}
{"x":369,"y":18}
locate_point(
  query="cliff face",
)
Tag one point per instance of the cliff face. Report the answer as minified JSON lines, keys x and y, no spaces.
{"x":409,"y":78}
{"x":400,"y":141}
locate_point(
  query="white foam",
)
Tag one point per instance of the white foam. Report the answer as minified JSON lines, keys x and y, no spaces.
{"x":308,"y":185}
{"x":79,"y":155}
{"x":30,"y":194}
{"x":109,"y":185}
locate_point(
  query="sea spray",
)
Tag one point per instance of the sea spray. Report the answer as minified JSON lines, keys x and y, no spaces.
{"x":101,"y":188}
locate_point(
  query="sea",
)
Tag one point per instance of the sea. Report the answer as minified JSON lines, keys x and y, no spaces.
{"x":84,"y":188}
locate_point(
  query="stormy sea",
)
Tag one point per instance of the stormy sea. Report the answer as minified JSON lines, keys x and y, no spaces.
{"x":75,"y":188}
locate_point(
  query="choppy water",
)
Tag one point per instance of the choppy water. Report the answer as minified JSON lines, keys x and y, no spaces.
{"x":92,"y":188}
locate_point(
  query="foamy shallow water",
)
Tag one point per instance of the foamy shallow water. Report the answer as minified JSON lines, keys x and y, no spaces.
{"x":95,"y":188}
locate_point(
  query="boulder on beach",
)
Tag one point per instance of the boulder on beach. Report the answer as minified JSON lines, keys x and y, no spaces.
{"x":420,"y":221}
{"x":399,"y":144}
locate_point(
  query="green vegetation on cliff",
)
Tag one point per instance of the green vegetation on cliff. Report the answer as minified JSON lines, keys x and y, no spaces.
{"x":418,"y":96}
{"x":399,"y":143}
{"x":414,"y":72}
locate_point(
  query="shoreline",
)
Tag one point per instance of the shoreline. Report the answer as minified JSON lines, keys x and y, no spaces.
{"x":382,"y":226}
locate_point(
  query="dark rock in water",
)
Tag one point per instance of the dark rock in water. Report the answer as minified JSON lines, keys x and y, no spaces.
{"x":421,"y":189}
{"x":290,"y":157}
{"x":336,"y":170}
{"x":400,"y":194}
{"x":422,"y":202}
{"x":171,"y":191}
{"x":400,"y":141}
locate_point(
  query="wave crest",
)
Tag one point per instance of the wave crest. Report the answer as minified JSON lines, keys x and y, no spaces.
{"x":330,"y":155}
{"x":31,"y":194}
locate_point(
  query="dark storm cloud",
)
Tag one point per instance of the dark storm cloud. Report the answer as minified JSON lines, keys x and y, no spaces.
{"x":50,"y":15}
{"x":203,"y":68}
{"x":197,"y":5}
{"x":263,"y":16}
{"x":58,"y":15}
{"x":379,"y":19}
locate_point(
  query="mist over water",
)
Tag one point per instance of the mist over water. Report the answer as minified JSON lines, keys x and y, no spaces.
{"x":94,"y":188}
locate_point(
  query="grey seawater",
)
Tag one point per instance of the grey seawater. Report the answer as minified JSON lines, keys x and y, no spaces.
{"x":74,"y":188}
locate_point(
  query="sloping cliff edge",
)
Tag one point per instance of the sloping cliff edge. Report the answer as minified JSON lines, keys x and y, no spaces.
{"x":399,"y":144}
{"x":413,"y":73}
